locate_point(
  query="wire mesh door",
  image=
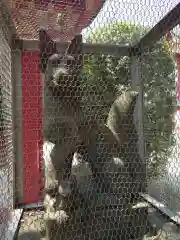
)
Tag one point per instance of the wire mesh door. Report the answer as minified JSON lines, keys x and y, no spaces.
{"x":88,"y":160}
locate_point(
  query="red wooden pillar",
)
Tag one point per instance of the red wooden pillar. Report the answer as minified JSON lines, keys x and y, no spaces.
{"x":32,"y":126}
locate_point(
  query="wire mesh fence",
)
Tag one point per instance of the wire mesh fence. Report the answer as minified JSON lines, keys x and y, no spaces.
{"x":6,"y":132}
{"x":165,"y":186}
{"x":92,"y":130}
{"x":88,"y":190}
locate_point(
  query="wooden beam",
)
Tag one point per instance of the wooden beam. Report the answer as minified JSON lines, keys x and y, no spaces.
{"x":167,"y":23}
{"x":107,"y":49}
{"x":162,"y":208}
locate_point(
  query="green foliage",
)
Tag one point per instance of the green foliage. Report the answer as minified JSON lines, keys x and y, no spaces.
{"x":105,"y":76}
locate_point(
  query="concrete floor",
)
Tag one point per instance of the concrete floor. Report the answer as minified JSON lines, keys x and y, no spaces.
{"x":32,"y":227}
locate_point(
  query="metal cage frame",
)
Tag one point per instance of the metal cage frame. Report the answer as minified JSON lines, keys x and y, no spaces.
{"x":135,"y":52}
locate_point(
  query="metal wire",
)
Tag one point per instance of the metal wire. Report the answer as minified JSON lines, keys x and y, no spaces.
{"x":87,"y":133}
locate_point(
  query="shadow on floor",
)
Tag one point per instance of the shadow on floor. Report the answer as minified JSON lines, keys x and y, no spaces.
{"x":29,"y":236}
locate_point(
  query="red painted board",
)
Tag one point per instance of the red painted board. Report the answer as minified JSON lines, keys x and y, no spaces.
{"x":32,"y":126}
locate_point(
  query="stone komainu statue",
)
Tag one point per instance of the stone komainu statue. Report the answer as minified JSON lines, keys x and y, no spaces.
{"x":94,"y":172}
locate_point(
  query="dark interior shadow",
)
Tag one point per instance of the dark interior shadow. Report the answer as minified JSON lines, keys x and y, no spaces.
{"x":30,"y":235}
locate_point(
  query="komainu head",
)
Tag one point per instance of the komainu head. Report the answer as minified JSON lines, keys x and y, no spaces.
{"x":61,"y":69}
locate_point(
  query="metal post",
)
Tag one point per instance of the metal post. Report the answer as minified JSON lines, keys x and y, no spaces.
{"x":137,"y":85}
{"x":17,"y":118}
